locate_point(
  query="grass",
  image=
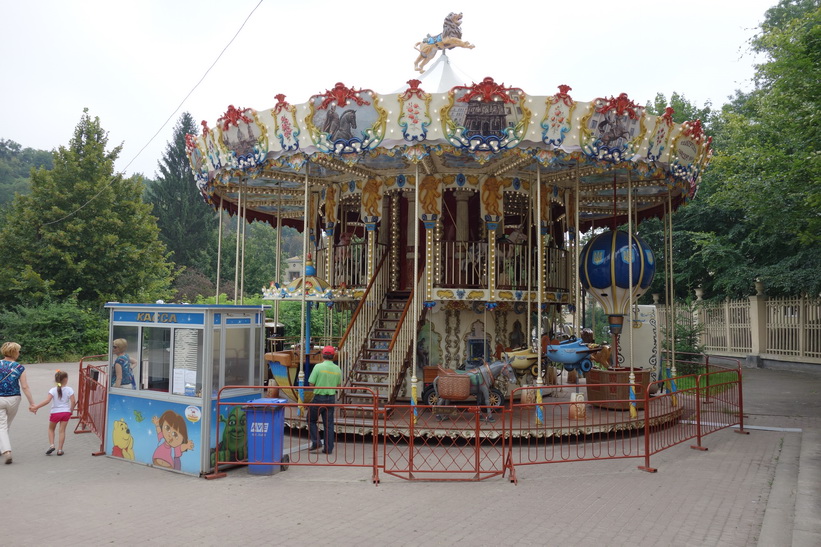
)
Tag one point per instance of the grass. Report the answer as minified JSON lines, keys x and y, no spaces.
{"x":715,"y":381}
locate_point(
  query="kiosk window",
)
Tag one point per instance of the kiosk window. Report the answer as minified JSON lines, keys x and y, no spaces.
{"x":257,"y":379}
{"x":187,"y":376}
{"x":215,"y":364}
{"x":127,"y":352}
{"x":156,"y":358}
{"x":238,"y":357}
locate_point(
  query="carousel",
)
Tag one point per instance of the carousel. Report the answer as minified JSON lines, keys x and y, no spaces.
{"x":445,"y":221}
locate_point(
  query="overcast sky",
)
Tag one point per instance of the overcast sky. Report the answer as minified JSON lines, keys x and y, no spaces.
{"x":132,"y":62}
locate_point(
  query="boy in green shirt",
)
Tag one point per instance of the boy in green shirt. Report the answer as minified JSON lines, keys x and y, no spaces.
{"x":326,"y":376}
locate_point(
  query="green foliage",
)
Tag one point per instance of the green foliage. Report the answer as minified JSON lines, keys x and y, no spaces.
{"x":83,"y":230}
{"x":260,"y":254}
{"x":718,"y":382}
{"x":16,"y":164}
{"x":596,"y":320}
{"x":188,"y":226}
{"x":55,"y":331}
{"x":756,"y":214}
{"x":290,"y":315}
{"x":767,"y":157}
{"x":683,"y":109}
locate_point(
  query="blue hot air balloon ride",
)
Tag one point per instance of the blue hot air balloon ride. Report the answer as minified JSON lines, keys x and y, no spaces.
{"x":604,"y":271}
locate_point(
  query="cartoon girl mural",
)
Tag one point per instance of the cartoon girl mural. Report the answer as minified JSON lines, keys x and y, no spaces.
{"x":172,"y":434}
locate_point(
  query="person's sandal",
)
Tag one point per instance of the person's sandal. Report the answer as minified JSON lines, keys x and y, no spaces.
{"x":49,"y":451}
{"x":8,"y":457}
{"x":60,"y":452}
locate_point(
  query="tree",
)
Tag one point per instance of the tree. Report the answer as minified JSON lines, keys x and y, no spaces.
{"x":83,"y":230}
{"x":757,"y":211}
{"x":769,"y":144}
{"x":187,"y":225}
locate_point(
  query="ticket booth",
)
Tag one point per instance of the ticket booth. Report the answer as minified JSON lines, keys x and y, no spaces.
{"x":167,"y":363}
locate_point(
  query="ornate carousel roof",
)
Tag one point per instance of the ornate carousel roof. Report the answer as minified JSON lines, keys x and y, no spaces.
{"x":463,"y":135}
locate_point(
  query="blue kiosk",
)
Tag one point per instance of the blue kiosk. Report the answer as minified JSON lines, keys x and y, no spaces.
{"x":164,"y":414}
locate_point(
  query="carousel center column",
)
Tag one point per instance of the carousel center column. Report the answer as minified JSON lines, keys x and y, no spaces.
{"x":492,"y":215}
{"x":394,"y":243}
{"x":410,"y":230}
{"x":371,"y":214}
{"x":430,"y":199}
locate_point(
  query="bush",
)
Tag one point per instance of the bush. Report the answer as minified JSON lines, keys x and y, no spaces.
{"x":55,"y":331}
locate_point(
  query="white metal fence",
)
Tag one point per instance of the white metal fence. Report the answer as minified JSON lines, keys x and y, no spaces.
{"x":788,"y":328}
{"x":794,"y":327}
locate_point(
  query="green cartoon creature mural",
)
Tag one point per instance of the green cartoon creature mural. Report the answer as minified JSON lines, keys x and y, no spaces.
{"x":233,"y":446}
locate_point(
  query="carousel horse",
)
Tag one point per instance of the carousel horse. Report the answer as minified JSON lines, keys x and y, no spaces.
{"x":481,"y":380}
{"x":474,"y":258}
{"x":342,"y":250}
{"x":347,"y":121}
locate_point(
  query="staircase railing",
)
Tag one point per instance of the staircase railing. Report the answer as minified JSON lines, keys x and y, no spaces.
{"x":367,"y":312}
{"x":401,"y":344}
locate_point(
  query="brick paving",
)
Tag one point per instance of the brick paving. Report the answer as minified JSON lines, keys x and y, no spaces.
{"x":763,"y":488}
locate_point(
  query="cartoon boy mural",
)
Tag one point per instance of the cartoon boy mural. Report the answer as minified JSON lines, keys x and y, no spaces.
{"x":172,"y":434}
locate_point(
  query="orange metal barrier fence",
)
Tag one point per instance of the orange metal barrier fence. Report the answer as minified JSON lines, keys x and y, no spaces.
{"x":595,"y":430}
{"x":570,"y":431}
{"x":709,"y":402}
{"x":92,"y":394}
{"x":467,"y":443}
{"x":454,"y":443}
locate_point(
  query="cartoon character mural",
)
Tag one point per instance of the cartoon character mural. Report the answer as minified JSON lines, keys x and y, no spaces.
{"x":123,"y":441}
{"x":172,"y":434}
{"x":133,"y":437}
{"x":233,"y":444}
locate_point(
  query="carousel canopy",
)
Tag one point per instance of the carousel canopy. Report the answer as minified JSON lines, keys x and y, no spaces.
{"x":352,"y":145}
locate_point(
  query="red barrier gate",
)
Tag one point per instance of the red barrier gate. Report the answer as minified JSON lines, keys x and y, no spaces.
{"x":709,"y":402}
{"x":460,"y":442}
{"x":92,"y":396}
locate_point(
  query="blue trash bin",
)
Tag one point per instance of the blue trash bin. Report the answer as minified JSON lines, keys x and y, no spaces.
{"x":265,"y":419}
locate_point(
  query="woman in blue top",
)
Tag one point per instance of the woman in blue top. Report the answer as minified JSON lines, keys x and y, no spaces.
{"x":121,"y":372}
{"x":12,"y":380}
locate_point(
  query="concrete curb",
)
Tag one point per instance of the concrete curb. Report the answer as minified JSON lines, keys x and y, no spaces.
{"x":776,"y":529}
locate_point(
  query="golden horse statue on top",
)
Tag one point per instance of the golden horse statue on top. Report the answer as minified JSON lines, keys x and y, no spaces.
{"x":450,"y":38}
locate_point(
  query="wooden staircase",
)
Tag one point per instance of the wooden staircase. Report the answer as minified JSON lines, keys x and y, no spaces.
{"x":371,"y":370}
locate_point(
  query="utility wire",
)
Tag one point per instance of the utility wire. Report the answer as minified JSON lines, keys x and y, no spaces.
{"x":137,"y":155}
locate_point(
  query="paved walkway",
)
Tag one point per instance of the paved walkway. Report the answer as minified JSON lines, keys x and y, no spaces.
{"x":763,"y":488}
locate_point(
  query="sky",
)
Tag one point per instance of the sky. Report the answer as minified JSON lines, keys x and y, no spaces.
{"x":132,"y":63}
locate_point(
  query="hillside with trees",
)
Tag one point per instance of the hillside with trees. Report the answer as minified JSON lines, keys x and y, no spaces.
{"x":16,"y":164}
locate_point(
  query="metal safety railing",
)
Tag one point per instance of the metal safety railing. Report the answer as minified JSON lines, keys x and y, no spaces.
{"x":455,"y":443}
{"x":92,"y":399}
{"x":537,"y":425}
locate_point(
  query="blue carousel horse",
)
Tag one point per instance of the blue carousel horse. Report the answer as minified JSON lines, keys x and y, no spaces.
{"x":482,"y":379}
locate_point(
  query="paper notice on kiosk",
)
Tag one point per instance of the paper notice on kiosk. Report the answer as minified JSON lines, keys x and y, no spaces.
{"x":182,"y":378}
